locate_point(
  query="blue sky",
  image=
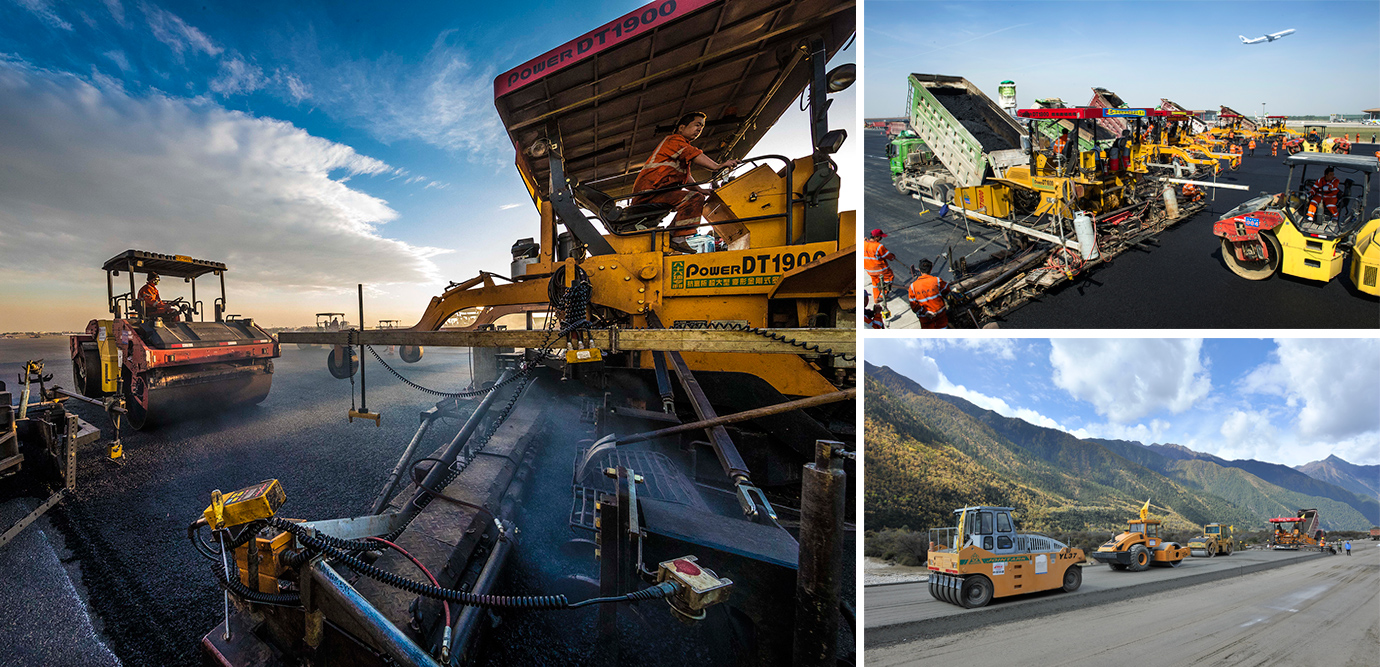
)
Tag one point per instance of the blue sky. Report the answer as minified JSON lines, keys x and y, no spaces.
{"x":1188,"y":52}
{"x":309,"y":145}
{"x":1286,"y":401}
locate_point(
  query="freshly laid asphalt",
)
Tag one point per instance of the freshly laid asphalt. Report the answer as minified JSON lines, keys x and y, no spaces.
{"x":120,"y":542}
{"x":1317,"y":611}
{"x":906,"y":612}
{"x":1181,"y":282}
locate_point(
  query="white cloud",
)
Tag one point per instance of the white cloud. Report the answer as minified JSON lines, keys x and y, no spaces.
{"x":119,"y":58}
{"x":925,"y":370}
{"x":445,"y":100}
{"x":45,"y":12}
{"x":117,"y":10}
{"x":1126,"y":379}
{"x":237,"y":77}
{"x":508,"y":206}
{"x":171,"y":30}
{"x":297,"y":90}
{"x":1333,"y":384}
{"x":91,"y":171}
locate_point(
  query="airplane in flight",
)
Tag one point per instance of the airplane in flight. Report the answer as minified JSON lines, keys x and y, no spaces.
{"x":1267,"y":38}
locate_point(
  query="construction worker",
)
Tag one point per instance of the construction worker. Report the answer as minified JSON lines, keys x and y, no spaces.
{"x":872,"y":319}
{"x":1252,"y":146}
{"x":1325,"y":191}
{"x":1274,"y":149}
{"x":1060,"y":145}
{"x":927,"y":297}
{"x":876,"y":261}
{"x":1348,"y":547}
{"x":148,"y":296}
{"x":669,"y":166}
{"x":1192,"y":193}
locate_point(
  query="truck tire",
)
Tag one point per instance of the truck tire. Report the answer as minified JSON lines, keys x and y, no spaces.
{"x":1140,"y":558}
{"x":976,"y":592}
{"x":1211,"y":550}
{"x":1073,"y":578}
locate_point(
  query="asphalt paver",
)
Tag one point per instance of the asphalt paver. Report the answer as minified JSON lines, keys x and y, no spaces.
{"x":1179,"y":282}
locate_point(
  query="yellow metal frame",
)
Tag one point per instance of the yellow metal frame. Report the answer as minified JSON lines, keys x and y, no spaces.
{"x":1307,"y":257}
{"x":1365,"y":259}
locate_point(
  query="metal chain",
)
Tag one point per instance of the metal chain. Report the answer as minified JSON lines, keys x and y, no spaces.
{"x":765,"y":333}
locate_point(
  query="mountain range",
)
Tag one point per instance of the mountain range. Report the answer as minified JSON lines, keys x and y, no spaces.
{"x":928,"y":454}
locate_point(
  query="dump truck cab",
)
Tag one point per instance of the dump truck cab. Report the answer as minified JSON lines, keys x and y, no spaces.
{"x":983,"y":557}
{"x":174,"y":364}
{"x":1274,"y":232}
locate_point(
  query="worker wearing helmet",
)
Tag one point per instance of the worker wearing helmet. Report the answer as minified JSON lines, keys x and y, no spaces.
{"x":669,"y":166}
{"x":876,"y":261}
{"x":927,"y":298}
{"x":1252,"y":146}
{"x":1324,"y":191}
{"x":148,"y":296}
{"x":1192,"y":193}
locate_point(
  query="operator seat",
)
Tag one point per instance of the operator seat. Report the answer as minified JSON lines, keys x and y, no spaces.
{"x":631,"y":218}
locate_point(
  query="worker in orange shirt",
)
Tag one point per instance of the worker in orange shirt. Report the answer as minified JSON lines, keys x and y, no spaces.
{"x":1252,"y":146}
{"x":1060,"y":147}
{"x":148,"y":295}
{"x":876,"y":261}
{"x":872,"y":317}
{"x":1325,"y":191}
{"x":1192,"y":193}
{"x":1274,"y":148}
{"x":669,"y":166}
{"x":927,"y":297}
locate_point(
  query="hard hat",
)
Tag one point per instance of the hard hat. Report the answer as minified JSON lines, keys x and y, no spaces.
{"x":152,"y":277}
{"x":878,"y":234}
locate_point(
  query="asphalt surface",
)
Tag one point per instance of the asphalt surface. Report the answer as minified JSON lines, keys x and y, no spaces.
{"x":109,"y":576}
{"x":1320,"y":611}
{"x":900,"y":612}
{"x":151,"y":597}
{"x":1181,"y":284}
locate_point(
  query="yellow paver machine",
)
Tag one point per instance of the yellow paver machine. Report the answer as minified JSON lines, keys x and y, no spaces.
{"x":604,"y":326}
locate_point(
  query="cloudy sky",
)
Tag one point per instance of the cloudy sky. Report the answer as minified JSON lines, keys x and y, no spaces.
{"x":310,"y":146}
{"x":1187,"y":51}
{"x":1286,"y":401}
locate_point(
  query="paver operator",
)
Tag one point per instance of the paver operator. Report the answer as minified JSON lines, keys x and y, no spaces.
{"x":669,"y":166}
{"x":876,"y":261}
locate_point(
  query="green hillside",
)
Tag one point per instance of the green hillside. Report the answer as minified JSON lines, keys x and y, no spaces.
{"x":927,"y":454}
{"x":925,"y":457}
{"x":1258,"y":497}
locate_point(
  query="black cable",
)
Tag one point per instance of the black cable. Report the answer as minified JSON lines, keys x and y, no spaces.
{"x":536,"y":602}
{"x":247,"y":593}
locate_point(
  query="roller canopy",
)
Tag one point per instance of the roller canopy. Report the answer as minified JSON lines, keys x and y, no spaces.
{"x":173,"y":266}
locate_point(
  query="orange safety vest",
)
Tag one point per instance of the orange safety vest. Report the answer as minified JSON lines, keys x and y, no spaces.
{"x":1252,"y":144}
{"x":872,"y":319}
{"x":1059,"y":144}
{"x":926,"y":299}
{"x":668,"y":166}
{"x":1327,"y":190}
{"x":149,"y":294}
{"x":875,"y":258}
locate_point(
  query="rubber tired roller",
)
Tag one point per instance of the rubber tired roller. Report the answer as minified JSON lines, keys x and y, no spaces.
{"x":171,"y":365}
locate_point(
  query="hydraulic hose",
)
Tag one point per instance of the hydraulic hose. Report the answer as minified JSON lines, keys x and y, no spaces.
{"x":537,"y":602}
